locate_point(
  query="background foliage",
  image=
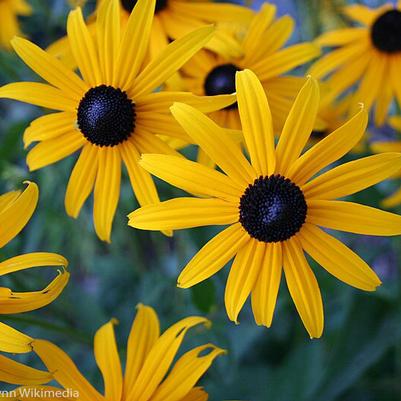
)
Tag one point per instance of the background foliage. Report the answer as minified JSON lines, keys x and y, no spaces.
{"x":359,"y":356}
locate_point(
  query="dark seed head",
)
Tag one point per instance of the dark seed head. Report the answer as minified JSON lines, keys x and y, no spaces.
{"x":129,"y":5}
{"x":386,"y":32}
{"x":106,"y":116}
{"x":221,"y":81}
{"x":272,"y":209}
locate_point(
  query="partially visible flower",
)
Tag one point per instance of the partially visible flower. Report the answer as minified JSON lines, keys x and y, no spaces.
{"x":391,"y":146}
{"x":110,"y":114}
{"x":368,"y":55}
{"x":261,"y":49}
{"x":274,"y":205}
{"x":16,"y":208}
{"x":9,"y":26}
{"x":150,"y":371}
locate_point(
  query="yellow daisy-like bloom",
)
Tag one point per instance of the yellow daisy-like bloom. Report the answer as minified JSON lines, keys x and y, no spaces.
{"x":9,"y":12}
{"x":391,"y":146}
{"x":273,"y":205}
{"x":261,"y":50}
{"x":149,"y":374}
{"x":369,"y":55}
{"x":176,"y":18}
{"x":111,"y":113}
{"x":16,"y":208}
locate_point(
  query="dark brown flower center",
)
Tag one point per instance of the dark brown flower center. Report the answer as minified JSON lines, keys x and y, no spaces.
{"x":272,"y":209}
{"x":106,"y":116}
{"x":386,"y":32}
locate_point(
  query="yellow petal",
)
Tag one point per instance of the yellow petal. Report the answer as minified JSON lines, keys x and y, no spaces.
{"x":141,"y":181}
{"x":303,"y":287}
{"x":16,"y":373}
{"x":341,"y":37}
{"x":256,"y":122}
{"x":186,"y":372}
{"x":48,"y":127}
{"x":191,"y":177}
{"x":17,"y":302}
{"x":213,"y":256}
{"x":285,"y":60}
{"x":329,"y":149}
{"x":146,"y":142}
{"x":16,"y":215}
{"x":182,"y":213}
{"x":134,"y":43}
{"x":196,"y":394}
{"x":50,"y":69}
{"x":40,"y":95}
{"x":144,"y":333}
{"x":216,"y":143}
{"x":83,"y":48}
{"x":108,"y":36}
{"x":13,"y":341}
{"x":82,"y":180}
{"x":242,"y":277}
{"x":360,"y":13}
{"x":64,"y":370}
{"x":107,"y":190}
{"x":254,"y":33}
{"x":298,"y":126}
{"x":159,"y":359}
{"x":337,"y":258}
{"x":108,"y":361}
{"x":273,"y":38}
{"x":353,"y":176}
{"x":354,"y":218}
{"x":264,"y":294}
{"x":8,"y":199}
{"x":162,"y":101}
{"x":55,"y":149}
{"x":170,"y":60}
{"x":393,"y":200}
{"x":387,"y":146}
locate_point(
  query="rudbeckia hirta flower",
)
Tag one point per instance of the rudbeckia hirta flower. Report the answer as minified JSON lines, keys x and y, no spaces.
{"x":150,"y":371}
{"x":16,"y":208}
{"x":368,"y":55}
{"x":9,"y":12}
{"x":175,"y":18}
{"x":391,"y":146}
{"x":110,"y":114}
{"x":273,"y":204}
{"x":261,"y":50}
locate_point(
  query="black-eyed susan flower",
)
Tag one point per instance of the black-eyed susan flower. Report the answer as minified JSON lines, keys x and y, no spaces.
{"x":110,"y":114}
{"x":150,"y":372}
{"x":16,"y":208}
{"x":273,"y":204}
{"x":261,"y":50}
{"x":368,"y":55}
{"x":391,"y":146}
{"x":9,"y":12}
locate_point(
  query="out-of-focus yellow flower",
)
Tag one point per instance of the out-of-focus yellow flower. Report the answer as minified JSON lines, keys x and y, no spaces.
{"x":9,"y":12}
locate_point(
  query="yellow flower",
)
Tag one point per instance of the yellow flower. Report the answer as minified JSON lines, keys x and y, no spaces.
{"x":9,"y":11}
{"x":273,"y":205}
{"x":261,"y":50}
{"x":16,"y":208}
{"x":111,"y":113}
{"x":391,"y":146}
{"x":176,"y":18}
{"x":367,"y":55}
{"x":149,"y":374}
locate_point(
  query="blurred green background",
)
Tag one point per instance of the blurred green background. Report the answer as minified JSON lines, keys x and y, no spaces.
{"x":359,"y":356}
